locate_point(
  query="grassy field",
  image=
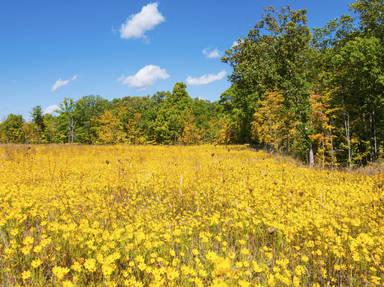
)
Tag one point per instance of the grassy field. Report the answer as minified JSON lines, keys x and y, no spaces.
{"x":184,"y":216}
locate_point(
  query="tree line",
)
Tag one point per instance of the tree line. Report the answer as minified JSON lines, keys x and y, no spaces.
{"x":316,"y":94}
{"x":164,"y":118}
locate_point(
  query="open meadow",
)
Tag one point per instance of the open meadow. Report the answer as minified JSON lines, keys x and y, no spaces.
{"x":184,"y":216}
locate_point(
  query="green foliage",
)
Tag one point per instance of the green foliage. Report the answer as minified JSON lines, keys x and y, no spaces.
{"x":38,"y":119}
{"x":357,"y":81}
{"x":52,"y":132}
{"x":371,"y":16}
{"x":172,"y":115}
{"x":11,"y":130}
{"x":164,"y":118}
{"x":273,"y":57}
{"x":339,"y":66}
{"x":86,"y":111}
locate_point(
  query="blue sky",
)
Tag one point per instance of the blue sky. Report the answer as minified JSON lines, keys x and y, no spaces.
{"x":51,"y":49}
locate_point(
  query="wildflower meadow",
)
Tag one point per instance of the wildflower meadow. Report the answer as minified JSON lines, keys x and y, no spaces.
{"x":184,"y":216}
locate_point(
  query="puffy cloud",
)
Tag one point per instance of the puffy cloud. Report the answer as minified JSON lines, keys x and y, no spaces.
{"x":211,"y":53}
{"x":61,"y":83}
{"x":145,"y":77}
{"x":51,"y":109}
{"x":236,"y":43}
{"x":137,"y":24}
{"x":206,"y":79}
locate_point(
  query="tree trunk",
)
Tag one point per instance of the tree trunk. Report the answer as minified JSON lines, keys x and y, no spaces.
{"x":311,"y":156}
{"x":373,"y":135}
{"x":71,"y":130}
{"x":348,"y":137}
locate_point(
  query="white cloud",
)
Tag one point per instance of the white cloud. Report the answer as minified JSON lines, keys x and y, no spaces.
{"x":236,"y":43}
{"x":145,"y":77}
{"x":206,"y":79}
{"x":211,"y":53}
{"x":61,"y":83}
{"x":137,"y":24}
{"x":51,"y":109}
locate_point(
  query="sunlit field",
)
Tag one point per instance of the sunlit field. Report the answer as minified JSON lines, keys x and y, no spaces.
{"x":184,"y":216}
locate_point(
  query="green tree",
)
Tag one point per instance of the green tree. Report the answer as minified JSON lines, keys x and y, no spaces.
{"x":86,"y":111}
{"x":38,"y":120}
{"x":371,"y":17}
{"x":67,"y":121}
{"x":358,"y":89}
{"x":12,"y":129}
{"x":52,"y":131}
{"x":275,"y":56}
{"x":239,"y":106}
{"x":172,"y":115}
